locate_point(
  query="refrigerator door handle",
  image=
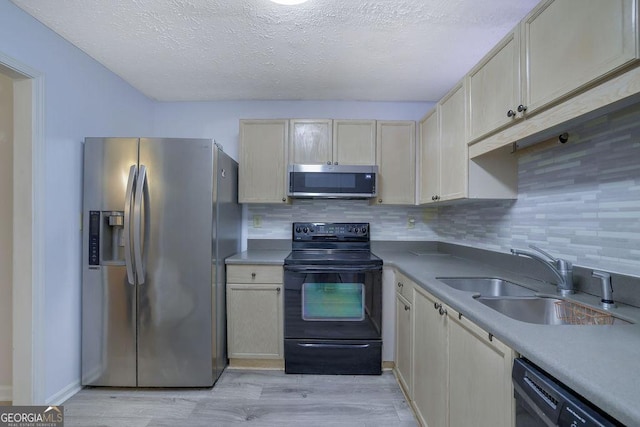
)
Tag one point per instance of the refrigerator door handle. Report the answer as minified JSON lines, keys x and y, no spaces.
{"x":137,"y":220}
{"x":128,"y":260}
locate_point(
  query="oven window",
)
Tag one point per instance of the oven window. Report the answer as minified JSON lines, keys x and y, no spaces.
{"x":333,"y":301}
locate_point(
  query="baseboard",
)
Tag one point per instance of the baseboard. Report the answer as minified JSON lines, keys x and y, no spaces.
{"x":235,"y":363}
{"x":63,"y":395}
{"x":6,"y":393}
{"x":388,"y":365}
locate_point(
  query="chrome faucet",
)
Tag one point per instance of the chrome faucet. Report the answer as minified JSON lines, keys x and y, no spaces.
{"x":562,"y":269}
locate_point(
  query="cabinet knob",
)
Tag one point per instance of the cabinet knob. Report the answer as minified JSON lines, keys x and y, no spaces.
{"x":253,"y":275}
{"x":433,"y":197}
{"x":278,"y":289}
{"x":329,"y":162}
{"x":511,"y":113}
{"x":442,"y":311}
{"x":521,"y":108}
{"x":284,"y":199}
{"x":400,"y":284}
{"x":436,"y":305}
{"x":406,"y":308}
{"x":379,"y":200}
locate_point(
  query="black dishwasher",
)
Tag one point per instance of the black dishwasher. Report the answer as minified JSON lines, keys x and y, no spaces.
{"x":543,"y":401}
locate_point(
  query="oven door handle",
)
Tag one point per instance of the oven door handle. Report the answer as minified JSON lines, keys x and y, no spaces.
{"x":331,"y":269}
{"x":319,"y":345}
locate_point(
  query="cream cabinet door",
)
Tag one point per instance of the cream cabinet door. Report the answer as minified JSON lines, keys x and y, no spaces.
{"x":311,"y":142}
{"x":494,"y":88}
{"x":429,"y":160}
{"x":454,"y":162}
{"x":430,"y":361}
{"x":396,"y":147}
{"x":354,"y":142}
{"x":404,"y":331}
{"x":571,"y":43}
{"x":262,"y":161}
{"x":480,"y":388}
{"x":255,"y":321}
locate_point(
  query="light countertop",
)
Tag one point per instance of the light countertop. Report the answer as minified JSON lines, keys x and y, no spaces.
{"x":598,"y":362}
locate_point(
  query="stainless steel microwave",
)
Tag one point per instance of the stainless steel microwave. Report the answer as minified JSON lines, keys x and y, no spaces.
{"x":333,"y":181}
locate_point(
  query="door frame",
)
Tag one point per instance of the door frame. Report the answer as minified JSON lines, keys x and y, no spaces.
{"x":28,"y":387}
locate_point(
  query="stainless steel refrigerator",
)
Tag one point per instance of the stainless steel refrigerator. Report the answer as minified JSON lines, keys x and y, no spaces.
{"x":160,"y":216}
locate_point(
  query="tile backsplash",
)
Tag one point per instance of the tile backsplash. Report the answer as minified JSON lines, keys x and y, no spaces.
{"x":579,"y":201}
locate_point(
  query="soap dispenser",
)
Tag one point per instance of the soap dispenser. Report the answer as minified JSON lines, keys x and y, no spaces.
{"x":607,"y":289}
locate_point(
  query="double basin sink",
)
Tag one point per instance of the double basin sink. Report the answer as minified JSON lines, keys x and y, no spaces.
{"x":523,"y":304}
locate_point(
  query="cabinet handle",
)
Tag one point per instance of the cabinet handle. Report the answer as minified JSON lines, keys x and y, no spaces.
{"x":511,"y":113}
{"x":442,"y":311}
{"x":406,"y":308}
{"x":400,"y":284}
{"x":521,"y":108}
{"x":253,"y":275}
{"x":278,"y":289}
{"x":436,"y":305}
{"x":328,"y":162}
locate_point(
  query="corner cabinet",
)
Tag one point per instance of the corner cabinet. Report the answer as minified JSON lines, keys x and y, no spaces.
{"x":446,"y":174}
{"x":263,"y":161}
{"x":255,"y":328}
{"x":396,"y":149}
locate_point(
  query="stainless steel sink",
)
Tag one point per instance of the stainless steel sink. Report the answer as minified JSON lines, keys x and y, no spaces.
{"x":550,"y":311}
{"x":487,"y":286}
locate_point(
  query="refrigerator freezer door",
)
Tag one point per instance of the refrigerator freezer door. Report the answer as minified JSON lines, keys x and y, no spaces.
{"x":108,"y":300}
{"x":174,"y":302}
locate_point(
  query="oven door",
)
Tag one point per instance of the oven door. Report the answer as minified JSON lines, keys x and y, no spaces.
{"x":332,"y":302}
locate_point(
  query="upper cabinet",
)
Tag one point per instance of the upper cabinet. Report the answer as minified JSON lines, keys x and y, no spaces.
{"x":453,"y":146}
{"x":396,"y":151}
{"x":566,"y":59}
{"x":354,"y":142}
{"x":326,"y":142}
{"x":571,"y":43}
{"x":311,"y":142}
{"x":494,"y":88}
{"x":263,"y":161}
{"x":446,"y":173}
{"x":429,"y":158}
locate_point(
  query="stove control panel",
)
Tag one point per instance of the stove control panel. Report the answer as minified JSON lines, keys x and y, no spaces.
{"x":318,"y":231}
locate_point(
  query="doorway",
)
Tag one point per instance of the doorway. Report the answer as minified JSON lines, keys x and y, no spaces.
{"x":22,"y":235}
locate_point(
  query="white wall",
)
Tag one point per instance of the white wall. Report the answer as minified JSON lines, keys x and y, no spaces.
{"x":6,"y":232}
{"x":82,"y":98}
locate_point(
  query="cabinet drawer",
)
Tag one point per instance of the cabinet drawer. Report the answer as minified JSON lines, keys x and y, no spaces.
{"x":254,"y":274}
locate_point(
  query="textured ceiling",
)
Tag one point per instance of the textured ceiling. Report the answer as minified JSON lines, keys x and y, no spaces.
{"x":367,"y":50}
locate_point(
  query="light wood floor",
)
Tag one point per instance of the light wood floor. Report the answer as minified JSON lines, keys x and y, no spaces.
{"x":249,"y":397}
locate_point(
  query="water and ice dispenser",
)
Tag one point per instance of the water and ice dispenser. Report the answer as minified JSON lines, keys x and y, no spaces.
{"x":106,"y":238}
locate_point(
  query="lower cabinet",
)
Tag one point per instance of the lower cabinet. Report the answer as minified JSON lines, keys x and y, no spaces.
{"x":430,"y":360}
{"x":480,"y":391}
{"x":460,"y":375}
{"x":255,"y":312}
{"x":404,"y":339}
